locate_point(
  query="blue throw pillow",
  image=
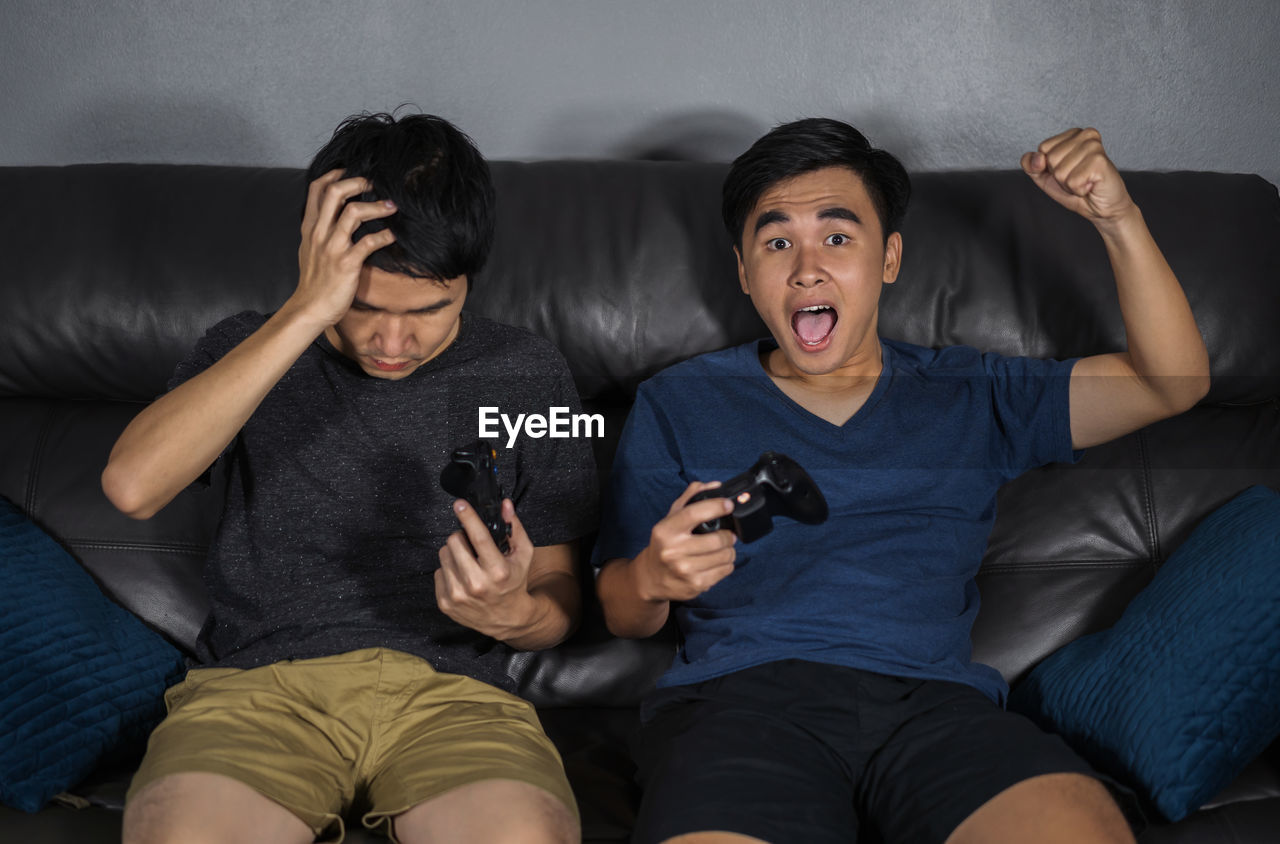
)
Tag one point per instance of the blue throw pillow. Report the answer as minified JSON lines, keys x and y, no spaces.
{"x":80,"y":677}
{"x":1184,"y":690}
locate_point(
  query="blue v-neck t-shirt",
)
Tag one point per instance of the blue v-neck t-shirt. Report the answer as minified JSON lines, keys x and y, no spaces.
{"x":886,"y":584}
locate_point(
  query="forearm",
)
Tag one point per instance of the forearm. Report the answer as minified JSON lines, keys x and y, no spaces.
{"x":1165,"y":348}
{"x":178,"y":436}
{"x":628,"y":613}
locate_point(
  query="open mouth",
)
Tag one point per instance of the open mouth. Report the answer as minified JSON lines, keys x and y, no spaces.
{"x":814,"y":324}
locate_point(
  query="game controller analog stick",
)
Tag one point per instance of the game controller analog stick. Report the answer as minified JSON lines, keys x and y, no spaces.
{"x":775,"y":486}
{"x":472,"y":475}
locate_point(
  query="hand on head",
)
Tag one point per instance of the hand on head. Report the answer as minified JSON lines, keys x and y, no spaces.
{"x":329,"y":263}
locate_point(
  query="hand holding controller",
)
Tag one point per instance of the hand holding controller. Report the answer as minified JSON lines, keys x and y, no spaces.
{"x":472,"y":474}
{"x":775,"y":486}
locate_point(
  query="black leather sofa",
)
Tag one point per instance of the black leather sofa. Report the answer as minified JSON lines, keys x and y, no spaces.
{"x":111,"y":272}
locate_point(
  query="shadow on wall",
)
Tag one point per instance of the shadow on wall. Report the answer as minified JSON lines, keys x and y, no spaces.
{"x":167,"y":131}
{"x":702,"y":138}
{"x":697,"y":136}
{"x":724,"y":135}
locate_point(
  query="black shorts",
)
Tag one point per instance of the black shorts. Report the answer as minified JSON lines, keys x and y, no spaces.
{"x":799,"y":751}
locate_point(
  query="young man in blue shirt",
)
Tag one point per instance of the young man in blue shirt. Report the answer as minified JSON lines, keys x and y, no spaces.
{"x":824,"y":681}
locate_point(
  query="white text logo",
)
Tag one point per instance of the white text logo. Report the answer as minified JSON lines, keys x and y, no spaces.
{"x":559,"y":423}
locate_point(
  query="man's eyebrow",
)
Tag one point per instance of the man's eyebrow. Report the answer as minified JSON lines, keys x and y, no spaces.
{"x":835,"y":212}
{"x":839,"y":212}
{"x":434,"y":306}
{"x":770,"y":217}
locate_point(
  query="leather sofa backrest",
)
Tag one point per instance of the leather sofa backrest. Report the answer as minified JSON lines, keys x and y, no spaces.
{"x":114,"y":270}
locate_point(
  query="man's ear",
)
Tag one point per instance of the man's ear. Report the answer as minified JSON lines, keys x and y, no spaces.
{"x":742,"y":271}
{"x":892,"y":258}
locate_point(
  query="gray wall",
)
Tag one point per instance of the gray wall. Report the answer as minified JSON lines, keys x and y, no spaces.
{"x":1171,"y":85}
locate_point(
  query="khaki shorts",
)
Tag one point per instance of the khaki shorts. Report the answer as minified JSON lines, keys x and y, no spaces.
{"x":378,"y":729}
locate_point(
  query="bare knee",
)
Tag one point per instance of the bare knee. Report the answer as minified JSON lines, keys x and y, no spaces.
{"x":201,"y":808}
{"x":493,"y":812}
{"x":1048,"y":808}
{"x":154,"y":815}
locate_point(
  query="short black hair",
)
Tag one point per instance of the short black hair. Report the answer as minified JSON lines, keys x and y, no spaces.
{"x":438,"y":180}
{"x":803,"y":146}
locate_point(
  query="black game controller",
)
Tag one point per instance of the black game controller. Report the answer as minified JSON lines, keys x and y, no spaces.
{"x":775,"y":486}
{"x":472,"y":474}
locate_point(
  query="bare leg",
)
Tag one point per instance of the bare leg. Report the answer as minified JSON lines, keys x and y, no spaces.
{"x":1049,"y":809}
{"x":489,"y":812}
{"x":200,"y":808}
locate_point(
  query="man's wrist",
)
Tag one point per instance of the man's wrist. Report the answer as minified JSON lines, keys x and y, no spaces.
{"x":1122,"y":226}
{"x":521,"y":616}
{"x":301,"y":315}
{"x":643,"y":585}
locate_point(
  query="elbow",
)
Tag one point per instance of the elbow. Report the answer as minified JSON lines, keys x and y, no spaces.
{"x":574,"y":622}
{"x":1199,"y":380}
{"x":125,"y":494}
{"x":568,"y":625}
{"x":1191,"y":390}
{"x":616,"y":629}
{"x":1170,"y":395}
{"x":628,"y":628}
{"x":1202,"y":384}
{"x":613,"y":620}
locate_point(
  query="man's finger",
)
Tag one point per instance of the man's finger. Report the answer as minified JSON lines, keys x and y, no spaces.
{"x":518,"y":535}
{"x":710,"y":545}
{"x":314,"y":193}
{"x":690,"y":491}
{"x":698,"y":512}
{"x":334,"y":196}
{"x":1065,"y":155}
{"x":1049,"y":145}
{"x":446,"y":575}
{"x":372,"y":242}
{"x":487,"y":555}
{"x":354,"y":213}
{"x":1082,"y":179}
{"x":1047,"y":177}
{"x":1082,"y":163}
{"x":466,"y":571}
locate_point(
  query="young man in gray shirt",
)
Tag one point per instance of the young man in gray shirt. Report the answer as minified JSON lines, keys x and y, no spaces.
{"x":355,"y":652}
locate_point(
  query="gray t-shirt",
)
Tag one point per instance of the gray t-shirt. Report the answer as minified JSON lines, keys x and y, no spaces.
{"x":334,"y":513}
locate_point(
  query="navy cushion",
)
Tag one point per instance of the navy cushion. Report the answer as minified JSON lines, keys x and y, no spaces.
{"x":1184,"y":690}
{"x":80,"y":677}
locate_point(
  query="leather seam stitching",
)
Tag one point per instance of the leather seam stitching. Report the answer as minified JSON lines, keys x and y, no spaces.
{"x":124,"y":546}
{"x":37,"y":457}
{"x":1055,"y":565}
{"x":1148,"y":497}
